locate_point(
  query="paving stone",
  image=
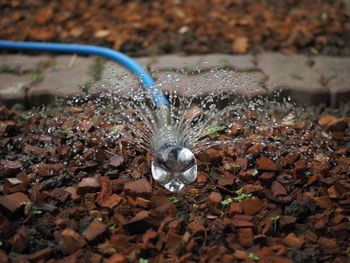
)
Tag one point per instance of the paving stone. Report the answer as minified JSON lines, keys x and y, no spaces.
{"x":335,"y":76}
{"x":294,"y":76}
{"x":13,"y":88}
{"x":24,"y":63}
{"x":311,"y":81}
{"x":242,"y":84}
{"x":116,"y":75}
{"x":63,"y":78}
{"x":203,"y":62}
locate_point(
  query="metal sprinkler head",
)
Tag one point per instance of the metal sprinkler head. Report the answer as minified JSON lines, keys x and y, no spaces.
{"x":174,"y":167}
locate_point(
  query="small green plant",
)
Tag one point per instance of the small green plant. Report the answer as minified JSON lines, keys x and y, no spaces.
{"x":227,"y":201}
{"x":68,"y":133}
{"x":112,"y":227}
{"x":222,"y":213}
{"x":95,"y":70}
{"x":86,"y":86}
{"x":25,"y":203}
{"x":207,"y":167}
{"x":25,"y":116}
{"x":1,"y":243}
{"x":195,"y":206}
{"x":275,"y":218}
{"x":143,"y":260}
{"x":255,"y":172}
{"x":194,"y":69}
{"x":115,"y":131}
{"x":276,"y":138}
{"x":8,"y":69}
{"x":214,"y":129}
{"x":77,"y":156}
{"x":128,"y":147}
{"x":296,"y":76}
{"x":99,"y":219}
{"x":235,"y":167}
{"x":307,"y":173}
{"x":58,"y":103}
{"x":35,"y":211}
{"x":224,"y":63}
{"x":174,"y":199}
{"x":239,"y":191}
{"x":36,"y":76}
{"x":253,"y":257}
{"x":241,"y":196}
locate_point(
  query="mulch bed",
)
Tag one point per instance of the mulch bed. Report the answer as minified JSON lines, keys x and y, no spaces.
{"x":74,"y":190}
{"x":167,"y":26}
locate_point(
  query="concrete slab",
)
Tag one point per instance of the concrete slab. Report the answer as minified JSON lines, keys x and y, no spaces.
{"x":294,"y":77}
{"x":192,"y":64}
{"x":13,"y":88}
{"x":64,"y":78}
{"x":230,"y":82}
{"x":335,"y":75}
{"x":25,"y":62}
{"x":36,"y":80}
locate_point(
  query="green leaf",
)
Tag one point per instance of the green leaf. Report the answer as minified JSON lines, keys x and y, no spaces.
{"x":174,"y":199}
{"x":241,"y":197}
{"x":143,"y":260}
{"x":227,"y":201}
{"x":36,"y":212}
{"x":239,"y":191}
{"x":275,"y":218}
{"x":255,"y":172}
{"x":195,"y":206}
{"x":214,"y":129}
{"x":36,"y":76}
{"x":276,"y":138}
{"x":112,"y":227}
{"x":25,"y":116}
{"x":115,"y":131}
{"x":253,"y":257}
{"x":307,"y":173}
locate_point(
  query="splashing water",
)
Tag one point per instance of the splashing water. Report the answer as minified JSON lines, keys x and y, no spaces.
{"x":174,"y":134}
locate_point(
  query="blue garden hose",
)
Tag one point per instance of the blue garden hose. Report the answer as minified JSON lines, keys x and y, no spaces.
{"x":119,"y":57}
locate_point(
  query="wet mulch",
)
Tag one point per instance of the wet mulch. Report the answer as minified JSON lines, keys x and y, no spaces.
{"x":74,"y":190}
{"x":194,"y":26}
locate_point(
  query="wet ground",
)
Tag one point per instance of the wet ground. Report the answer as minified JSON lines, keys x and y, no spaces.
{"x":75,"y":188}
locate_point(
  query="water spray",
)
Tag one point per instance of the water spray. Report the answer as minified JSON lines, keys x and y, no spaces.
{"x":174,"y":164}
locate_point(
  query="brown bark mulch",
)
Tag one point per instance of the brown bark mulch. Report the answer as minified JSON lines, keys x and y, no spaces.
{"x":74,"y":190}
